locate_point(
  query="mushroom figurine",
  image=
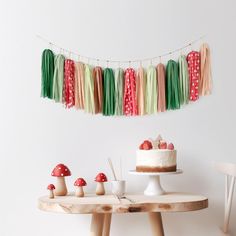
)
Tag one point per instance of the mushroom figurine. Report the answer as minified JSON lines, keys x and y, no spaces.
{"x":61,"y":171}
{"x":80,"y":183}
{"x":51,"y":187}
{"x":100,"y":179}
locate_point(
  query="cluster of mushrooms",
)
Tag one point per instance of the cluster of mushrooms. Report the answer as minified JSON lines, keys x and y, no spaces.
{"x":61,"y":171}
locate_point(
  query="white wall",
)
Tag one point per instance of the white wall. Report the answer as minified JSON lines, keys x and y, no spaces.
{"x":36,"y":134}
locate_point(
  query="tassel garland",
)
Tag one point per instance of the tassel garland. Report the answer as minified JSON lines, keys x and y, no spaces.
{"x":98,"y":89}
{"x":183,"y":80}
{"x":47,"y":70}
{"x":119,"y":90}
{"x":141,"y":91}
{"x":161,"y":88}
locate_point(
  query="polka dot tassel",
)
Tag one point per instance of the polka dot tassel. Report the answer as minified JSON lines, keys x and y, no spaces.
{"x":193,"y":59}
{"x":151,"y":91}
{"x":172,"y":85}
{"x":89,"y":106}
{"x":47,"y":69}
{"x":141,"y":90}
{"x":205,"y":83}
{"x":109,"y":93}
{"x":69,"y":82}
{"x":79,"y":85}
{"x":58,"y":78}
{"x":130,"y":103}
{"x":183,"y":80}
{"x":98,"y":89}
{"x":119,"y":91}
{"x":161,"y":102}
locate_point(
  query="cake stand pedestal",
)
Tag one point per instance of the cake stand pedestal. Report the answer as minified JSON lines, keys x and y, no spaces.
{"x":154,"y":184}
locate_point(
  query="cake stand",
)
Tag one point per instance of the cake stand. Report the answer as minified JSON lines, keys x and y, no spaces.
{"x":154,"y":185}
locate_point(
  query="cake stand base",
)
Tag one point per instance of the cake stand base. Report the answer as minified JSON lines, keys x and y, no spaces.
{"x":154,"y":184}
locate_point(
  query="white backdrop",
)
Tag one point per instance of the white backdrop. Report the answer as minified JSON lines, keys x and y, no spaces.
{"x":36,"y":134}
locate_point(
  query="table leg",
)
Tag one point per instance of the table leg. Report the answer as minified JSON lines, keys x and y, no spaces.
{"x":97,"y":224}
{"x":156,"y":223}
{"x":106,"y":224}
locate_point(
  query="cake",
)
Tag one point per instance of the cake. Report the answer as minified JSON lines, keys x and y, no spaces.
{"x":156,"y":156}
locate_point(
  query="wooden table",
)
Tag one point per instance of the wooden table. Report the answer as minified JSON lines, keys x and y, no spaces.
{"x":102,"y":207}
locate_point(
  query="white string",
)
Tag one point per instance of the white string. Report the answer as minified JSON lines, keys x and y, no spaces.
{"x":151,"y":59}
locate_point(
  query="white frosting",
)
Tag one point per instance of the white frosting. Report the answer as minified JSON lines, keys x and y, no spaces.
{"x":156,"y":158}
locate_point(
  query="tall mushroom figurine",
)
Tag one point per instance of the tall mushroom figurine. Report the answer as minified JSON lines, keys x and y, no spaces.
{"x":61,"y":171}
{"x":100,"y":179}
{"x":80,"y":183}
{"x":51,"y":187}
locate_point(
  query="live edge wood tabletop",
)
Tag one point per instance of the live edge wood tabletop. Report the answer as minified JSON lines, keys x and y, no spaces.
{"x":102,"y":207}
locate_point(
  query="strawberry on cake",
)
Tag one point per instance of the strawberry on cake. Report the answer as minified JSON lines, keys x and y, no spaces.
{"x":156,"y":156}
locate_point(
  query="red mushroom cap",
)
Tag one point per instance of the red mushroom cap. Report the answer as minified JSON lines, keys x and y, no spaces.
{"x":101,"y":177}
{"x":80,"y":182}
{"x":61,"y":170}
{"x":51,"y":187}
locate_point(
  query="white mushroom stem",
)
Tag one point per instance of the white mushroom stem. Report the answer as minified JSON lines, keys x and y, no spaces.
{"x":100,"y":190}
{"x":79,"y":192}
{"x":51,"y":194}
{"x":61,"y":189}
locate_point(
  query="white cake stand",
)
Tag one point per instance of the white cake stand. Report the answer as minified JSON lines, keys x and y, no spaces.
{"x":154,"y":185}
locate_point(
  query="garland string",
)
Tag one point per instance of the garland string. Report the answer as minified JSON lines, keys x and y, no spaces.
{"x":109,"y":93}
{"x":98,"y":89}
{"x":119,"y":90}
{"x":151,"y":90}
{"x":172,"y":85}
{"x":79,"y":85}
{"x":183,"y":80}
{"x":205,"y":83}
{"x":58,"y":78}
{"x":193,"y":59}
{"x":141,"y":90}
{"x":69,"y":83}
{"x":161,"y":88}
{"x":130,"y":102}
{"x":89,"y":106}
{"x":47,"y":69}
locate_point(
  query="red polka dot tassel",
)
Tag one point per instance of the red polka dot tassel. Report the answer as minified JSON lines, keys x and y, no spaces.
{"x":130,"y":103}
{"x":193,"y":59}
{"x":69,"y":82}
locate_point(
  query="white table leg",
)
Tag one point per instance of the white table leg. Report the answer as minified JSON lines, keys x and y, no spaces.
{"x":156,"y":223}
{"x":97,"y":224}
{"x":106,"y":224}
{"x":154,"y":186}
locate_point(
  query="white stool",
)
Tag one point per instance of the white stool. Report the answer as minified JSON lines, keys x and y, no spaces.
{"x":229,"y":170}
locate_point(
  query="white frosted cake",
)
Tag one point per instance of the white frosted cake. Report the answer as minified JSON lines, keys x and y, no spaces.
{"x":156,"y":156}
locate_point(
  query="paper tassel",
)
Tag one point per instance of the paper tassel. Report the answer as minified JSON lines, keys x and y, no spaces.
{"x":58,"y":78}
{"x":193,"y":59}
{"x":109,"y":93}
{"x":151,"y":90}
{"x":89,"y":90}
{"x":141,"y":91}
{"x":119,"y":91}
{"x":172,"y":85}
{"x":161,"y":102}
{"x":47,"y":70}
{"x":98,"y":89}
{"x":79,"y":85}
{"x":205,"y":83}
{"x":130,"y":103}
{"x":183,"y":80}
{"x":69,"y":83}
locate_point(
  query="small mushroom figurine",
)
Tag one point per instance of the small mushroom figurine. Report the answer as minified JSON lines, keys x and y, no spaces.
{"x":51,"y":187}
{"x":100,"y":179}
{"x":61,"y":171}
{"x":80,"y":183}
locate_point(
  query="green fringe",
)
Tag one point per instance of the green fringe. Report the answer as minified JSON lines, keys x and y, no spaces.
{"x":119,"y":91}
{"x":183,"y":80}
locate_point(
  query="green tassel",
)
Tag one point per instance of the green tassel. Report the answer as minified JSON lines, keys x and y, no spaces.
{"x":47,"y":70}
{"x":109,"y":93}
{"x":151,"y":90}
{"x":119,"y":91}
{"x":183,"y":80}
{"x":58,"y":78}
{"x":172,"y":86}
